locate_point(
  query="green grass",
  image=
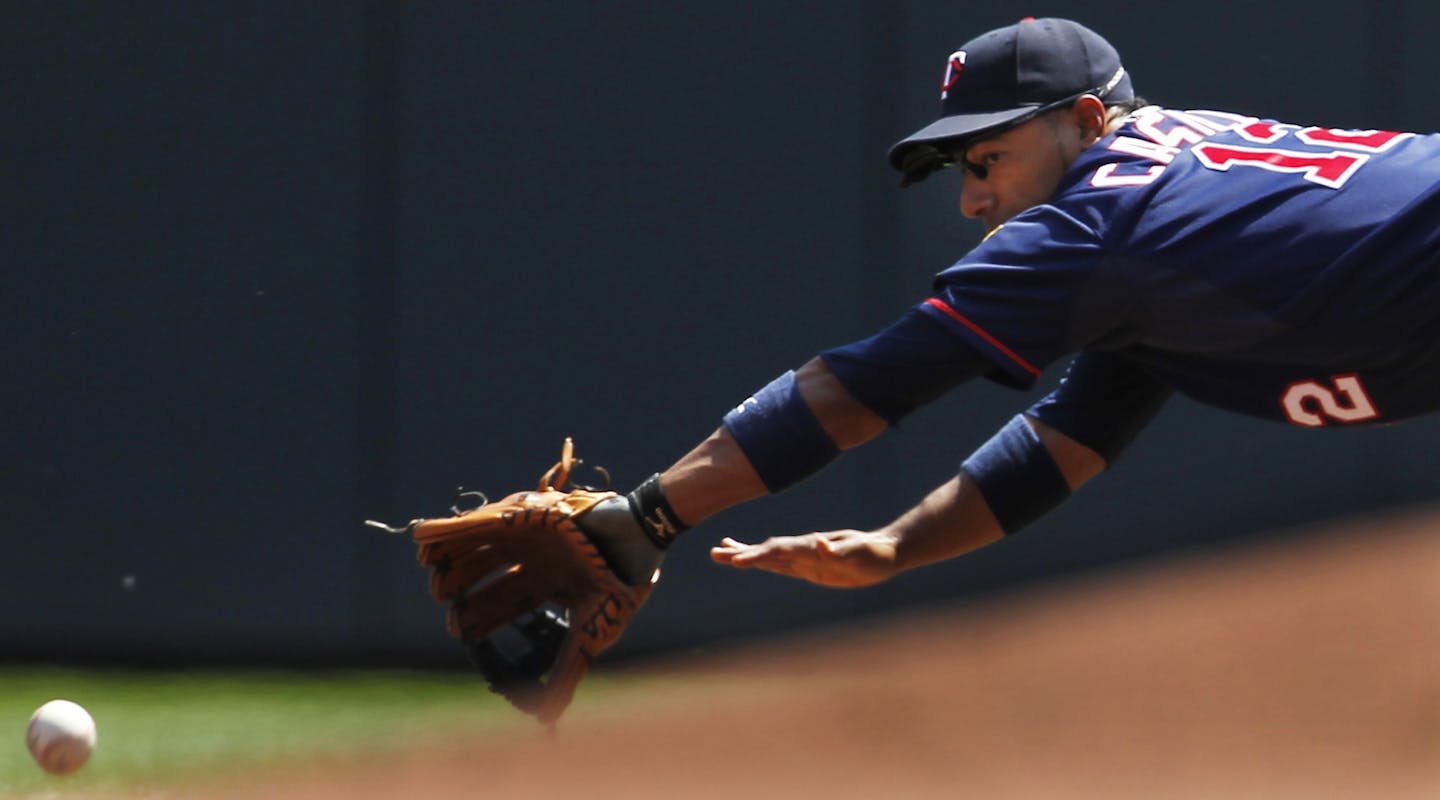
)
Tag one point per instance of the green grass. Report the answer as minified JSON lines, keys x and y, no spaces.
{"x":159,"y":728}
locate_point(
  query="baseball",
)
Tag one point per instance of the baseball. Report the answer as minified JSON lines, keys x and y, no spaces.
{"x":61,"y":736}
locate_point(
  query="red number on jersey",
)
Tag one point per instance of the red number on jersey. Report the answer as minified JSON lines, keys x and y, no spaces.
{"x":1368,"y":141}
{"x":1327,"y":169}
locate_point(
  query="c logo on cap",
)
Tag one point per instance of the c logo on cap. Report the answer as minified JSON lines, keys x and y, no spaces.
{"x":953,"y":65}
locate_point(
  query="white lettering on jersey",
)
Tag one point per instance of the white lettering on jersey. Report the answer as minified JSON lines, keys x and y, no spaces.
{"x":1144,"y":149}
{"x":1171,"y":128}
{"x":1351,"y":405}
{"x":1105,"y":177}
{"x":1109,"y":175}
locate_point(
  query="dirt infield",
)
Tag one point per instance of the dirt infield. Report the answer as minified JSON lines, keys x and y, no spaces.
{"x":1302,"y":668}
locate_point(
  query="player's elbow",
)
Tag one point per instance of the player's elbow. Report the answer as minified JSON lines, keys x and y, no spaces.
{"x":846,"y":420}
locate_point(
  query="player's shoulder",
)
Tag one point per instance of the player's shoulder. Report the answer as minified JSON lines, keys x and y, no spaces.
{"x":1138,"y":155}
{"x":1109,"y":181}
{"x":1147,"y":140}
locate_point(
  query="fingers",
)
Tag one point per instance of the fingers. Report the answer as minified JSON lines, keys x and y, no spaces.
{"x":845,"y":559}
{"x":735,"y":553}
{"x":784,"y":555}
{"x":725,"y":552}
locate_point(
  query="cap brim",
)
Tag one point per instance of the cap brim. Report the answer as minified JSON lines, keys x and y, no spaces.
{"x":953,"y":128}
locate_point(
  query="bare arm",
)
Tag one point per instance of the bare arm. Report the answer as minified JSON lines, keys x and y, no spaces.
{"x":952,"y":520}
{"x":716,"y":475}
{"x":955,"y":519}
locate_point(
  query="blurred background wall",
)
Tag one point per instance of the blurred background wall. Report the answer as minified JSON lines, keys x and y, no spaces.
{"x":271,"y":269}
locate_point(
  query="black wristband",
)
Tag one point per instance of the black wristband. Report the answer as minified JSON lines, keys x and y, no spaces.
{"x":653,"y":511}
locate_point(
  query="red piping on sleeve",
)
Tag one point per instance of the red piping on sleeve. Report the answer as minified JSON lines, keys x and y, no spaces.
{"x":978,"y":331}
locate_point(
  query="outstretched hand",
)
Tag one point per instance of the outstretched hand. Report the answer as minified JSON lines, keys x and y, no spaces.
{"x":840,"y":559}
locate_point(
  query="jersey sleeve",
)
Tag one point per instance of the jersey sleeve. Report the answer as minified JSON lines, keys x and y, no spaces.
{"x":1103,"y":402}
{"x":1039,"y":288}
{"x":904,"y":366}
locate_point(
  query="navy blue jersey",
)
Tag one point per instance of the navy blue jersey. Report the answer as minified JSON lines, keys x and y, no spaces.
{"x":1279,"y":271}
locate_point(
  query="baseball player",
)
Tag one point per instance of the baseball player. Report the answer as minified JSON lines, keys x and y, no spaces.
{"x":1290,"y":272}
{"x":1284,"y":271}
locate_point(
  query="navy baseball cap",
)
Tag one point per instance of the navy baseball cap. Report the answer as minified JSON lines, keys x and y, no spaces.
{"x":1010,"y":74}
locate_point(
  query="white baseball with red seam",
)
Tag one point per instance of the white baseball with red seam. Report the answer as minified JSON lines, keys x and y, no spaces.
{"x":61,"y":736}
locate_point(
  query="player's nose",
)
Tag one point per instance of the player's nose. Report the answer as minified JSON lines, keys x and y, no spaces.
{"x":976,"y":199}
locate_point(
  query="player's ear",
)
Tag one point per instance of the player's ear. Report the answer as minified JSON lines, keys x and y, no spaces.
{"x":1088,"y":113}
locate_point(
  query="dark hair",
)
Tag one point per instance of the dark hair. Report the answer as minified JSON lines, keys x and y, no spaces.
{"x":1126,"y":106}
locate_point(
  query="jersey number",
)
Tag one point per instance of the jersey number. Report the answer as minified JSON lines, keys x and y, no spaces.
{"x":1168,"y":131}
{"x":1330,"y":169}
{"x":1311,"y":403}
{"x":1327,"y":169}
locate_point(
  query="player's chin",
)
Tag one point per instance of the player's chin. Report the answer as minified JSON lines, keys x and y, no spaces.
{"x":993,"y":223}
{"x":994,"y":220}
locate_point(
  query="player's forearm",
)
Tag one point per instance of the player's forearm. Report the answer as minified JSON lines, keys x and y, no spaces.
{"x":956,"y":518}
{"x":951,"y":521}
{"x":716,"y":474}
{"x":711,"y":478}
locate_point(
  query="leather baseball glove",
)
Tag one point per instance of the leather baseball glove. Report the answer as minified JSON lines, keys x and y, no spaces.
{"x":532,"y":594}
